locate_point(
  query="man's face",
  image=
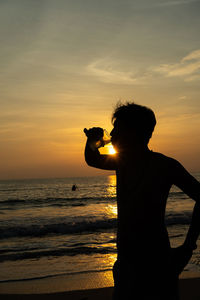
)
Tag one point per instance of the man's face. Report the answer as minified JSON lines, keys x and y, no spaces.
{"x":120,"y":136}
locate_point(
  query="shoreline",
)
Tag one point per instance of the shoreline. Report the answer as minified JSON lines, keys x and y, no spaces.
{"x":86,"y":286}
{"x":59,"y":284}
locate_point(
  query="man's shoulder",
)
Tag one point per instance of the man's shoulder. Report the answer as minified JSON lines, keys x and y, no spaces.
{"x":164,"y":159}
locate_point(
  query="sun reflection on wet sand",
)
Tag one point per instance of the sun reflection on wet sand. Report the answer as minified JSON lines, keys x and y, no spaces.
{"x":109,"y":260}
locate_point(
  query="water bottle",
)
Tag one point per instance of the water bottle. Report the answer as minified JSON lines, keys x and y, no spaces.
{"x":99,"y":138}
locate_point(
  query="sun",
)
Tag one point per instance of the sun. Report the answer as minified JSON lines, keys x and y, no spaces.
{"x":111,"y":150}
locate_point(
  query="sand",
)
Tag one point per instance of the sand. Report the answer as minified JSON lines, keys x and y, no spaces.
{"x":189,"y":288}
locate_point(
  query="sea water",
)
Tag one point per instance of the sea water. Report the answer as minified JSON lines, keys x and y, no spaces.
{"x":47,"y":229}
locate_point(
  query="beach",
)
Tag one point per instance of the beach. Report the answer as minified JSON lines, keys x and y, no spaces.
{"x":88,"y":287}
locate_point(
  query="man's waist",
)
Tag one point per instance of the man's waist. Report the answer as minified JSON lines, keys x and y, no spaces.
{"x":143,"y":237}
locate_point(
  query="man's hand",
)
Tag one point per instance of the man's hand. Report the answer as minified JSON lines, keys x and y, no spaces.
{"x":95,"y":138}
{"x":180,"y":257}
{"x":94,"y":133}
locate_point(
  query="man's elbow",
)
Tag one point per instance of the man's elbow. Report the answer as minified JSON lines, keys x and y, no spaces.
{"x":90,"y":161}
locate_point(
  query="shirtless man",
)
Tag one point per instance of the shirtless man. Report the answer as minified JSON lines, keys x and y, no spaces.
{"x":146,"y":267}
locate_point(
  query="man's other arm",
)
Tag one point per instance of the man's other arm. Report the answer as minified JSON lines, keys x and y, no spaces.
{"x":190,"y":186}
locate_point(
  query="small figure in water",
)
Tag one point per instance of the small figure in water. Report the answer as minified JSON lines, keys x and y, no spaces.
{"x":74,"y":187}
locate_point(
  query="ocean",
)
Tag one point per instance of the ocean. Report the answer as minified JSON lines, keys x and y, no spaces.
{"x":47,"y":229}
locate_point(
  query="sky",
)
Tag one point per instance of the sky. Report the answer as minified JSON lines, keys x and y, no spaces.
{"x":65,"y":64}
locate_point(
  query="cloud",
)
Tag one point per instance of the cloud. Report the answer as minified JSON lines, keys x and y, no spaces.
{"x":192,"y":55}
{"x":107,"y":71}
{"x":188,"y":67}
{"x":175,"y":3}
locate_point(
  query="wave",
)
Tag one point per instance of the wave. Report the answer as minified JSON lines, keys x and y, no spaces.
{"x":14,"y":203}
{"x":77,"y":227}
{"x":56,"y":253}
{"x":177,"y":195}
{"x":81,"y":201}
{"x":58,"y":228}
{"x":180,"y":219}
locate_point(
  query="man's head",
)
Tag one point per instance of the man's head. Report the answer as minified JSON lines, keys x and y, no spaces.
{"x":133,"y":124}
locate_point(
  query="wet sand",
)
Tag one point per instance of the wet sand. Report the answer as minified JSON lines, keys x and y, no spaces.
{"x":189,"y":288}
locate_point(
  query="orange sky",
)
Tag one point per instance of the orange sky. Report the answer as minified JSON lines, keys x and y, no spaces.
{"x":64,"y":67}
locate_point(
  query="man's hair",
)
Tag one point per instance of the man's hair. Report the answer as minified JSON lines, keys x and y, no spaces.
{"x":137,"y":117}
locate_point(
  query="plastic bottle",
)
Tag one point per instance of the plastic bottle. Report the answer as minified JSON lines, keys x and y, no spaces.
{"x":101,"y":139}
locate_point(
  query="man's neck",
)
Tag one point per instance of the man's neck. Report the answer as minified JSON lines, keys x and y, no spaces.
{"x":136,"y":151}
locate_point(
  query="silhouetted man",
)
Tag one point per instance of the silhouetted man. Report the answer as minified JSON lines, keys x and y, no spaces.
{"x":146,"y":267}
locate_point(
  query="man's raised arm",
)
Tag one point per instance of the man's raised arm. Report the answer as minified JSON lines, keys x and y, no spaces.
{"x":93,"y":157}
